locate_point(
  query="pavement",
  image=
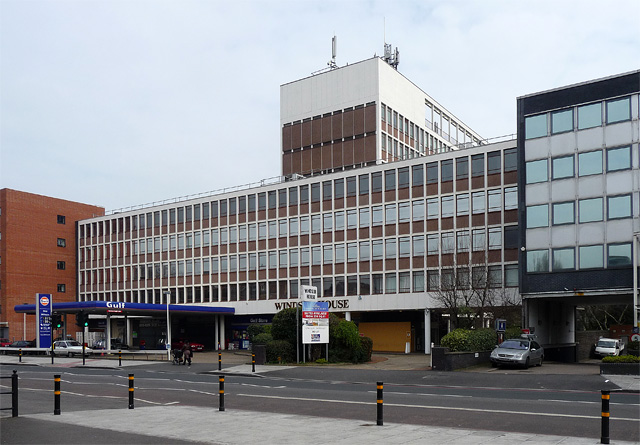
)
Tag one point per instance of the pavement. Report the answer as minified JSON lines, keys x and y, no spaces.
{"x":184,"y":424}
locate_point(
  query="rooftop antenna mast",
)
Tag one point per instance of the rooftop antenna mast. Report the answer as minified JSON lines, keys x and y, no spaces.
{"x":334,"y":47}
{"x":390,"y":56}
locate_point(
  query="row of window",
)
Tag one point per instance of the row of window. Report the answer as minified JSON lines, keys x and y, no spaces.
{"x":461,"y":204}
{"x":578,"y":118}
{"x":589,"y":210}
{"x":389,"y":248}
{"x":352,"y":186}
{"x":589,"y":163}
{"x":351,"y":285}
{"x":588,"y":257}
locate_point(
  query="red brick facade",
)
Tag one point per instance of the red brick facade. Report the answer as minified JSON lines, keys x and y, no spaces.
{"x":31,"y":227}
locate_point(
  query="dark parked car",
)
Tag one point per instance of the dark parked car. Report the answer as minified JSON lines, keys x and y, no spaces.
{"x":23,"y":344}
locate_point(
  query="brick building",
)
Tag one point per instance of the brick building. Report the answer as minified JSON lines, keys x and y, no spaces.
{"x":37,"y":254}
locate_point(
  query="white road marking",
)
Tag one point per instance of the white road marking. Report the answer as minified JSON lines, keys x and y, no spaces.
{"x":402,"y":405}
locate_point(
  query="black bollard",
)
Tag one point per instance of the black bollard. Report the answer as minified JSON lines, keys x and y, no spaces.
{"x":221,"y":391}
{"x":605,"y":417}
{"x":14,"y":394}
{"x":20,"y":355}
{"x":379,"y":403}
{"x":56,"y":394}
{"x":120,"y":358}
{"x":130,"y":391}
{"x":253,"y":363}
{"x":219,"y":361}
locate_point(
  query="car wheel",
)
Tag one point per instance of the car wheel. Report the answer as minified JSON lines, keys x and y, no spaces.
{"x":526,"y":364}
{"x":69,"y":354}
{"x":541,"y":359}
{"x":494,"y":365}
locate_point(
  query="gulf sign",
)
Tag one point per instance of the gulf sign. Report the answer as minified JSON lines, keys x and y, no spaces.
{"x":43,"y":320}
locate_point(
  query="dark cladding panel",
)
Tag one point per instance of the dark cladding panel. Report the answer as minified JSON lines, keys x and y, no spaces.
{"x":347,"y":124}
{"x":370,"y":148}
{"x":370,"y":118}
{"x":358,"y":121}
{"x":286,"y":163}
{"x":316,"y":131}
{"x":306,"y":133}
{"x":286,"y":138}
{"x":296,"y":135}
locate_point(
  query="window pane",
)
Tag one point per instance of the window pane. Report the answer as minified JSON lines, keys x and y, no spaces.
{"x":537,"y":261}
{"x":462,"y":204}
{"x":590,"y":210}
{"x":618,"y":158}
{"x":494,"y":200}
{"x":618,"y":255}
{"x":510,"y":160}
{"x":478,"y":202}
{"x":511,"y":275}
{"x":537,"y":171}
{"x":591,"y":257}
{"x":493,"y":162}
{"x":479,"y":239}
{"x":418,"y":210}
{"x":511,"y":198}
{"x":432,"y":208}
{"x":619,"y":207}
{"x":562,"y":167}
{"x":563,"y":259}
{"x":562,"y":121}
{"x":462,"y":168}
{"x":537,"y":216}
{"x":535,"y":126}
{"x":432,"y":244}
{"x":589,"y":116}
{"x":618,"y":110}
{"x":446,"y":168}
{"x":447,"y":206}
{"x":477,"y":165}
{"x":590,"y":163}
{"x":563,"y":213}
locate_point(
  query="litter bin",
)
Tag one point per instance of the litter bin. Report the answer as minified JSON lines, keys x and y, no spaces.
{"x":260,"y":352}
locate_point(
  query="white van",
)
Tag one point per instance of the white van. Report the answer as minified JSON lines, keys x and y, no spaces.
{"x":608,"y":346}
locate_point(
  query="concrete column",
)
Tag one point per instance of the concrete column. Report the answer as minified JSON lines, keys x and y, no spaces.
{"x":216,"y":331}
{"x":128,"y":334}
{"x":427,"y":331}
{"x":347,"y":315}
{"x":108,"y":340}
{"x":221,"y":327}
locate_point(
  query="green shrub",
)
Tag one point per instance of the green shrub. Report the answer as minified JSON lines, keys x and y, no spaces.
{"x":283,"y":326}
{"x":255,"y":329}
{"x":321,"y":361}
{"x":513,"y":332}
{"x":262,"y":339}
{"x":366,"y":349}
{"x":465,"y":340}
{"x":280,"y":351}
{"x":621,"y":359}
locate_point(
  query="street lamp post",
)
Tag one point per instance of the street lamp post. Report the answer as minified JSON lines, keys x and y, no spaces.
{"x":167,"y":298}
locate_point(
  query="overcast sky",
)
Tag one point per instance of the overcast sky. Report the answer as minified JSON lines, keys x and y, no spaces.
{"x":121,"y":103}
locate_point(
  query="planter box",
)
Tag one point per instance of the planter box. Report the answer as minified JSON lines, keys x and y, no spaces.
{"x":620,"y":368}
{"x":443,"y":360}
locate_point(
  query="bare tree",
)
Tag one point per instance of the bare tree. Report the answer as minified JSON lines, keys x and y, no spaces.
{"x":472,"y":294}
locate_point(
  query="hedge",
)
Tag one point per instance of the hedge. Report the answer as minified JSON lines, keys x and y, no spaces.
{"x":466,"y":340}
{"x":621,"y":359}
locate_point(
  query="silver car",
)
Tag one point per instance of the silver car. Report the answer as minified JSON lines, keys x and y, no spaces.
{"x":70,"y":348}
{"x":518,"y":351}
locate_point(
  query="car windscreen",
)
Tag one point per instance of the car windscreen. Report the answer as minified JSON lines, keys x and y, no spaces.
{"x":515,"y":344}
{"x":606,"y":344}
